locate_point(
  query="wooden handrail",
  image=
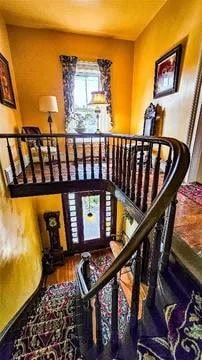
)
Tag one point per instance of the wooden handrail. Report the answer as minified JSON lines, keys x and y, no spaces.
{"x":173,"y":181}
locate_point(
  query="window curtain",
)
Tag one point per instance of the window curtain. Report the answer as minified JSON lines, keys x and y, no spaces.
{"x":105,"y":76}
{"x":68,"y":70}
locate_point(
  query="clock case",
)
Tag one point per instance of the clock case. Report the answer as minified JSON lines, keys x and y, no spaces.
{"x":52,"y":226}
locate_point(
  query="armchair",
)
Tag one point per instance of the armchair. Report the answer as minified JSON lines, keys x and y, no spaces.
{"x":36,"y":142}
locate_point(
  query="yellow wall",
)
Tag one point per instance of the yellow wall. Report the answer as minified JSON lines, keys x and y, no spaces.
{"x":174,"y":22}
{"x":20,"y":259}
{"x":38,"y":71}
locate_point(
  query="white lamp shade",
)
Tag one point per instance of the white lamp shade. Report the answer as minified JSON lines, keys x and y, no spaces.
{"x":48,"y":104}
{"x":98,"y":98}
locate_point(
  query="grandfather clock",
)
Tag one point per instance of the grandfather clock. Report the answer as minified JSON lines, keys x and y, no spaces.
{"x":52,"y":226}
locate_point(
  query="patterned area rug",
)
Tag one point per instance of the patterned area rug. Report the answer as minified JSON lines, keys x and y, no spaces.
{"x":184,"y":340}
{"x":193,"y":192}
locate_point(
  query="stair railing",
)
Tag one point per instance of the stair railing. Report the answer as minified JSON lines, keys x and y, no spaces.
{"x":153,"y":220}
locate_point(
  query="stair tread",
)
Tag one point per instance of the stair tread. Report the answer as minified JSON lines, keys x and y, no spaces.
{"x":44,"y":352}
{"x":31,"y":329}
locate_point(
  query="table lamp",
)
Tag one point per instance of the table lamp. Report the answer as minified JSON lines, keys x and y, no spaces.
{"x":98,"y":99}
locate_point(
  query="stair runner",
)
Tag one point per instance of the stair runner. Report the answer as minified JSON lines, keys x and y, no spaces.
{"x":51,"y":329}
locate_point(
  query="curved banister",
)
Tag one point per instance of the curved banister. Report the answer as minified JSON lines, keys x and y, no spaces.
{"x":173,"y":181}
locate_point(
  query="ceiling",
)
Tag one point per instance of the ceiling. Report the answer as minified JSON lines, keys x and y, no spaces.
{"x":122,"y":19}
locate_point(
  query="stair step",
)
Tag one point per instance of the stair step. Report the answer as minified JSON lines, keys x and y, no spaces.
{"x":45,"y":326}
{"x":60,"y":351}
{"x":36,"y":342}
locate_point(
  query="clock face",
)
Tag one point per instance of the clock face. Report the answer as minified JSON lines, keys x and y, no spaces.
{"x":52,"y":222}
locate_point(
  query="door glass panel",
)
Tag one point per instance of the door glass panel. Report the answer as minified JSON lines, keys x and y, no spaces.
{"x":91,"y":217}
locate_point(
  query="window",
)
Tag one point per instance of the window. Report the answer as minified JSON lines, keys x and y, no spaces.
{"x":87,"y":80}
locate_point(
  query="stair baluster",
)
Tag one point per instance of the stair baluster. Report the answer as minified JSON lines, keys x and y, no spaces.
{"x":31,"y":162}
{"x":114,"y":317}
{"x":99,"y":341}
{"x":67,"y":159}
{"x":135,"y":298}
{"x":22,"y":164}
{"x":50,"y":161}
{"x":12,"y":164}
{"x":58,"y":160}
{"x":75,"y":159}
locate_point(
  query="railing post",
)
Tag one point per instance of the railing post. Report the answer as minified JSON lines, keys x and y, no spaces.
{"x":128,"y":170}
{"x":75,"y":159}
{"x":113,"y":160}
{"x":168,"y":233}
{"x":134,"y":167}
{"x":135,"y":298}
{"x":114,"y":321}
{"x":86,"y":256}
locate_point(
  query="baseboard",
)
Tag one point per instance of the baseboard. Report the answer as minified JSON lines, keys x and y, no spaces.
{"x":6,"y":338}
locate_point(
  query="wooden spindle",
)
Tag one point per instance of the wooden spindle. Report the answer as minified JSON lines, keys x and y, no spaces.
{"x":156,"y":174}
{"x":41,"y":162}
{"x":107,"y":150}
{"x":134,"y":168}
{"x":100,"y":158}
{"x":12,"y":164}
{"x":135,"y":299}
{"x":140,"y":176}
{"x":50,"y":161}
{"x":92,"y":160}
{"x":155,"y":256}
{"x":114,"y":321}
{"x":58,"y":160}
{"x":117,"y":161}
{"x":99,"y":341}
{"x":146,"y":179}
{"x":120,"y":164}
{"x":88,"y":325}
{"x":31,"y":161}
{"x":113,"y":159}
{"x":128,"y":169}
{"x":22,"y":164}
{"x":124,"y":165}
{"x":75,"y":159}
{"x":168,"y":233}
{"x":168,"y":164}
{"x":67,"y":159}
{"x":84,"y":160}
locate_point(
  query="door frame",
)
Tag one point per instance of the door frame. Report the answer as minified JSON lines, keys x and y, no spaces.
{"x":89,"y":245}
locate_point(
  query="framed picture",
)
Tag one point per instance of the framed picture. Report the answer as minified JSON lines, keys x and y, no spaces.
{"x":6,"y":89}
{"x":167,"y":73}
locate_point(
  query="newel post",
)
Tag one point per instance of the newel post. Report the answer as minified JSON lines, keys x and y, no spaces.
{"x":87,"y":308}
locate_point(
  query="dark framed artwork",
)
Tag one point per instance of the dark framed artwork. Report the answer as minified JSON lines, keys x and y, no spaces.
{"x":167,"y":73}
{"x":6,"y":89}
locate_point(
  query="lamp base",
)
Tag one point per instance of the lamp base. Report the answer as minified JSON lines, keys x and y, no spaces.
{"x":98,"y":131}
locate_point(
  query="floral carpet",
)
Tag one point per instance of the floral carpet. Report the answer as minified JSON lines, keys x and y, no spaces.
{"x":193,"y":192}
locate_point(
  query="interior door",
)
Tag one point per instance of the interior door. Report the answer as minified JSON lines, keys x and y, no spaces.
{"x":90,"y":220}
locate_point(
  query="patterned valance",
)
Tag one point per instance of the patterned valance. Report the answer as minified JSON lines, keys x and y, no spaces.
{"x":68,"y":70}
{"x":105,"y":67}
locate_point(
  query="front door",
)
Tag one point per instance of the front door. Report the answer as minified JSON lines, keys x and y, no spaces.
{"x":90,"y":220}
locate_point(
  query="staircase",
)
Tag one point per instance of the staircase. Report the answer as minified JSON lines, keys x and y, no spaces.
{"x":67,"y":319}
{"x":54,"y":327}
